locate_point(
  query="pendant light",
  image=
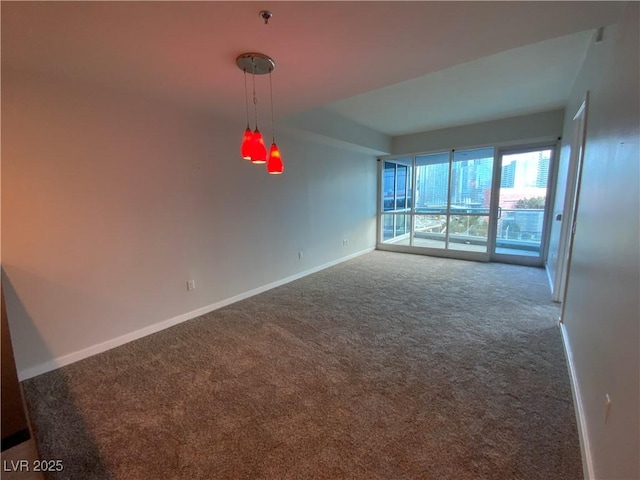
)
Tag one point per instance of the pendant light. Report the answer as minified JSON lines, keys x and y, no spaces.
{"x":253,"y":147}
{"x":274,"y":162}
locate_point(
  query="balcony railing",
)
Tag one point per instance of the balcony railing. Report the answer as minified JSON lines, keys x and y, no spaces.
{"x":516,"y":228}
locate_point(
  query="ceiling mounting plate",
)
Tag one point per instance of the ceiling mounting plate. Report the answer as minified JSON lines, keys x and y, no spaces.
{"x":255,"y":63}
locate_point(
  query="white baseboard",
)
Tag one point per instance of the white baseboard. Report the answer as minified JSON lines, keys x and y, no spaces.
{"x":58,"y":362}
{"x":587,"y":461}
{"x":549,"y":277}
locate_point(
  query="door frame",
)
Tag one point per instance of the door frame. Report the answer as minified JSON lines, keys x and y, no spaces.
{"x":495,"y":200}
{"x":571,"y":201}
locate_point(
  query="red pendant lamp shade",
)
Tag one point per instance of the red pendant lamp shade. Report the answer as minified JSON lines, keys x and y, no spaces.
{"x":246,"y":144}
{"x":258,"y":150}
{"x":274,"y":164}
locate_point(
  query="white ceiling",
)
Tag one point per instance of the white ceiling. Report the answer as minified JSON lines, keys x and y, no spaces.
{"x":523,"y":80}
{"x":397,"y":67}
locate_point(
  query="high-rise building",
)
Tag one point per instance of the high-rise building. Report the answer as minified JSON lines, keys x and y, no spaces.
{"x":508,"y":175}
{"x":543,"y":171}
{"x":432,"y":183}
{"x":484,"y":178}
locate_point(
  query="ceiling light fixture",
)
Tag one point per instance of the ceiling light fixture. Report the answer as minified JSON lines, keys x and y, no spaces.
{"x":253,"y":147}
{"x":255,"y":64}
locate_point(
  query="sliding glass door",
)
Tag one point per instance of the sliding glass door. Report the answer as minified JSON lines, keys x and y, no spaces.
{"x":450,"y":209}
{"x":471,"y":183}
{"x":522,"y":201}
{"x":467,"y":204}
{"x":432,"y":200}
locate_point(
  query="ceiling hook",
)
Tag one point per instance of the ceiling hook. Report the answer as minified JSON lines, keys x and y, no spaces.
{"x":266,"y":15}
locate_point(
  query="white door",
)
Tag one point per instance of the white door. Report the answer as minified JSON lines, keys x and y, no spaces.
{"x":571,"y":202}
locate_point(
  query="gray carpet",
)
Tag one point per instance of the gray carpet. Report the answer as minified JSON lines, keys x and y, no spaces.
{"x":388,"y":366}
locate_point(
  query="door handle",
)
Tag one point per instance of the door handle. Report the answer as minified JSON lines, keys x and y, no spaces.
{"x":499,"y":212}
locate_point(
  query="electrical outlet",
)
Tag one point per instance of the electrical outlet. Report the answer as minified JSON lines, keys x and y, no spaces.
{"x":191,"y":285}
{"x":300,"y":255}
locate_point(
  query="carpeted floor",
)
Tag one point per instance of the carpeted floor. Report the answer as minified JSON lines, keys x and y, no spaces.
{"x":388,"y":366}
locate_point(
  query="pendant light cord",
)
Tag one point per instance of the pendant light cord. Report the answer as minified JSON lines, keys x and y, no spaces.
{"x":255,"y":99}
{"x":273,"y":129}
{"x":246,"y":96}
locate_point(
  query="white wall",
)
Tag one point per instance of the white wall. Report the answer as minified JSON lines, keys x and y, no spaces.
{"x":525,"y":128}
{"x":339,"y":130}
{"x":602,"y":311}
{"x":112,"y":202}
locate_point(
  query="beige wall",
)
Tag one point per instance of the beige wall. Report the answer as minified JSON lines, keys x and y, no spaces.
{"x":602,"y":315}
{"x":112,"y":202}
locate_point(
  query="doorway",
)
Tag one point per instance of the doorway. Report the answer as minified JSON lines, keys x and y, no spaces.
{"x":520,"y":204}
